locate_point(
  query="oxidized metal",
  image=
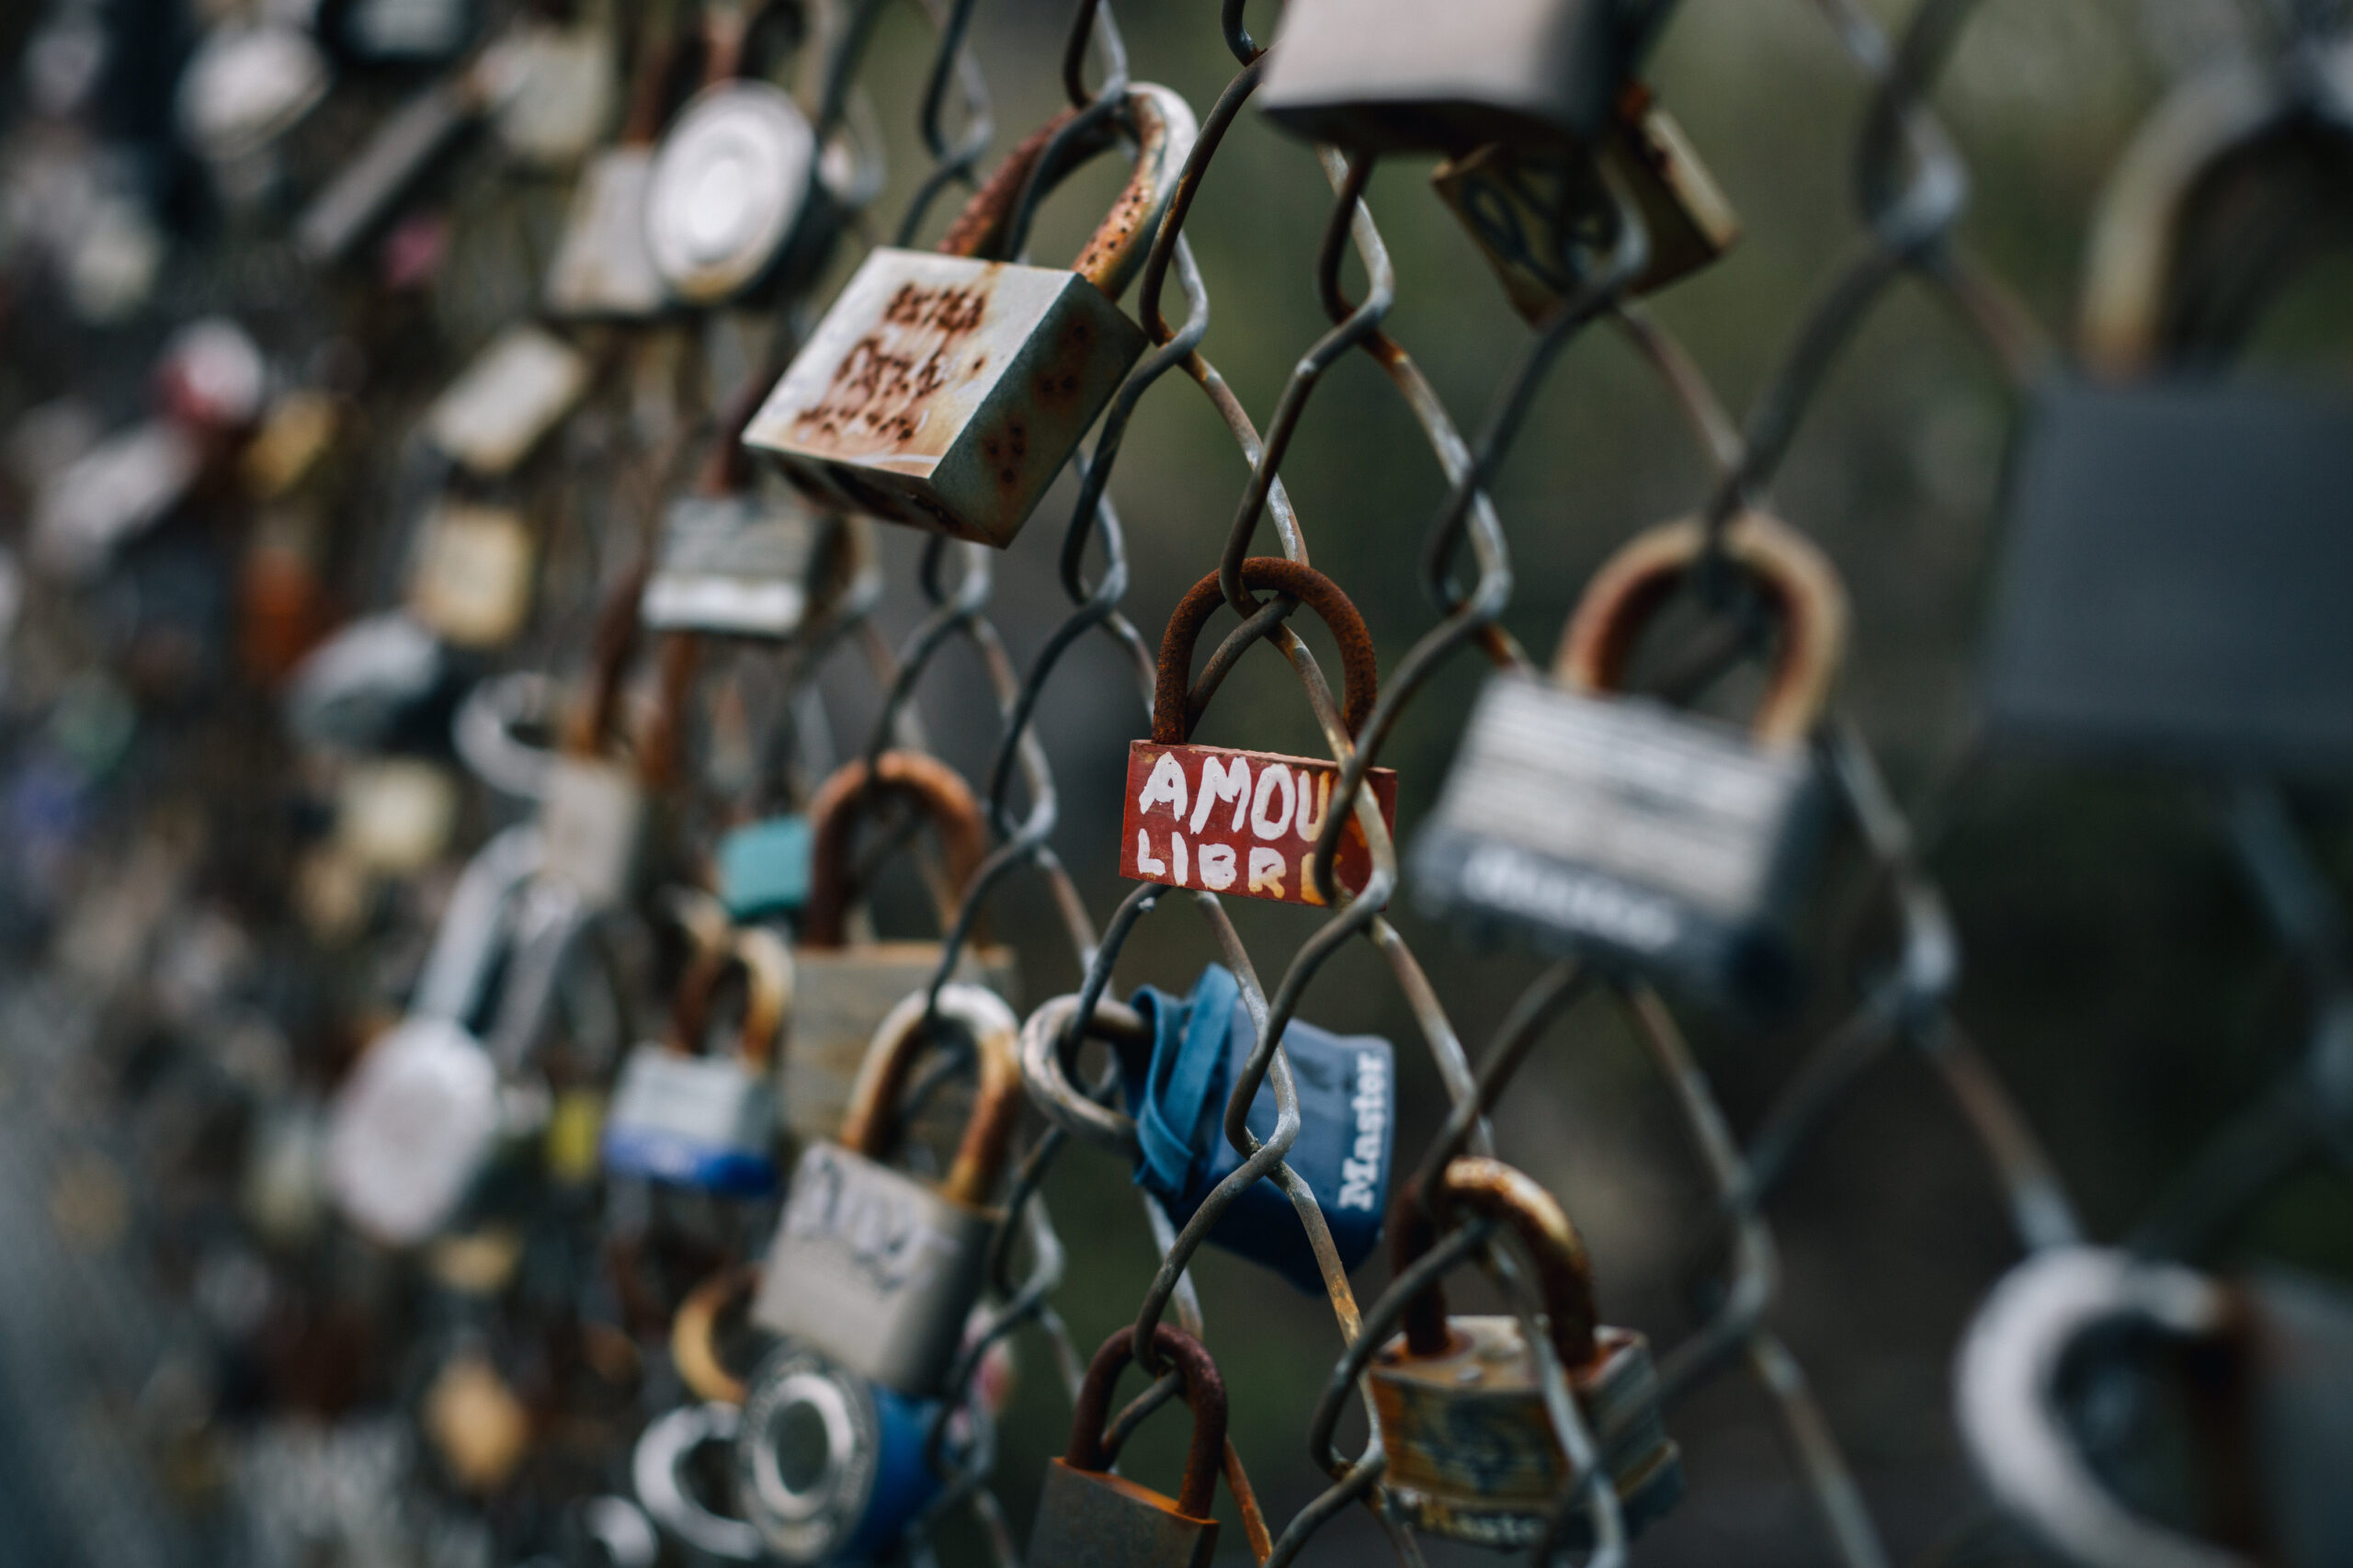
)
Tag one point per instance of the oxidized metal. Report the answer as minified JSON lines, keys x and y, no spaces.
{"x":1624,"y":830}
{"x":944,"y":392}
{"x":1088,"y":1518}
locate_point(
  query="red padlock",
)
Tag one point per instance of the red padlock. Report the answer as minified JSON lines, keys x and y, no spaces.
{"x":1246,"y":821}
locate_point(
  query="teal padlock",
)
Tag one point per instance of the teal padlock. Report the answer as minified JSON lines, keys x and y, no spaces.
{"x":764,"y":869}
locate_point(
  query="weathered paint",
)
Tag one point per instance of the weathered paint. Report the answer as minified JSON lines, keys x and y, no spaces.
{"x":1242,"y":822}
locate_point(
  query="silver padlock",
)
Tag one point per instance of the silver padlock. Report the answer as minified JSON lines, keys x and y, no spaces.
{"x":659,"y":1468}
{"x":1403,"y":74}
{"x":946,"y":392}
{"x":372,"y":684}
{"x":244,"y":86}
{"x":872,"y":1265}
{"x":740,"y":565}
{"x":595,"y":810}
{"x":702,"y":1121}
{"x":417,"y":1120}
{"x":2263,"y":1371}
{"x":516,"y":390}
{"x":603,"y":267}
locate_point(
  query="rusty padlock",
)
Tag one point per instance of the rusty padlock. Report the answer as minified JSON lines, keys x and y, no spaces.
{"x":733,"y":197}
{"x":945,"y":392}
{"x":872,"y":1265}
{"x":1246,"y":821}
{"x":1473,"y":1454}
{"x":707,"y":1122}
{"x":843,"y":990}
{"x":1531,"y":209}
{"x":1406,"y":76}
{"x":1680,"y":845}
{"x":597,"y":809}
{"x":1088,"y":1518}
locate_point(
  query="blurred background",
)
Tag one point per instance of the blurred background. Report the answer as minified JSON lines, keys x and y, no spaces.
{"x":165,"y":952}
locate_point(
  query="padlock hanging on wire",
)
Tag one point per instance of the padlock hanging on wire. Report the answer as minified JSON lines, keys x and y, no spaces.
{"x":1090,"y":1517}
{"x":1586,"y":822}
{"x":946,"y":391}
{"x":1245,"y":823}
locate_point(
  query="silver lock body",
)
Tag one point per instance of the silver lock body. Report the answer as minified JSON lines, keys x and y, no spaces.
{"x":693,"y":1120}
{"x":1624,"y":831}
{"x":514,"y":391}
{"x":412,"y":1130}
{"x":594,"y":819}
{"x":1397,"y":74}
{"x":658,"y":1470}
{"x":728,"y":189}
{"x":735,"y":565}
{"x":874,"y":1268}
{"x":945,"y":393}
{"x":603,"y":267}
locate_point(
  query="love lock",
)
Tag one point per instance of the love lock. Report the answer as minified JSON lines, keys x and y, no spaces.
{"x":946,"y":392}
{"x":1632,"y":833}
{"x":1088,"y":1518}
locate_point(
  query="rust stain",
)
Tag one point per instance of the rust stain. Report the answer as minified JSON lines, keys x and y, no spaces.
{"x":879,"y":394}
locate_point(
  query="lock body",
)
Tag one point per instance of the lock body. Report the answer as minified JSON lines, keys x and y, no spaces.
{"x":1403,"y":74}
{"x":1239,"y":822}
{"x":840,"y":997}
{"x":594,"y":821}
{"x":731,"y":187}
{"x":874,"y":1268}
{"x":945,"y":393}
{"x":764,"y":870}
{"x":1527,"y":207}
{"x":1613,"y":828}
{"x":704,"y":1122}
{"x":472,"y":577}
{"x":829,"y":1466}
{"x":1471,"y":1453}
{"x":1090,"y":1519}
{"x":517,"y":390}
{"x":735,"y":565}
{"x":602,"y":268}
{"x":412,"y":1130}
{"x":2169,"y":591}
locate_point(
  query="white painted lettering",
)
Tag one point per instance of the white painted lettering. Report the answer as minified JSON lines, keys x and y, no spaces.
{"x":1266,"y":868}
{"x":1217,"y":867}
{"x":1312,"y":828}
{"x":1167,"y":783}
{"x":1221,"y":781}
{"x":1263,"y":825}
{"x":1145,"y":863}
{"x":1176,"y":853}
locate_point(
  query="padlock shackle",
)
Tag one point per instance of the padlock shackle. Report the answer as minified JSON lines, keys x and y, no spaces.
{"x":2134,"y":249}
{"x":832,"y":815}
{"x":694,"y":1333}
{"x":1172,"y":715}
{"x":1799,"y":583}
{"x":1160,"y":123}
{"x":766,"y":966}
{"x":872,"y":1125}
{"x":1491,"y":1190}
{"x":1204,"y":1395}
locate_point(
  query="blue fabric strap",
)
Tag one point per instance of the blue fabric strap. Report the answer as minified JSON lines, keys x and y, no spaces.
{"x":1187,"y":1050}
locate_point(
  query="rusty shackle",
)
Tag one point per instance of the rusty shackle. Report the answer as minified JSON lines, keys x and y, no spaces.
{"x":1492,"y":1190}
{"x":1162,"y":126}
{"x":870,"y":1127}
{"x":1796,"y":579}
{"x":694,"y":1333}
{"x":1172,"y":715}
{"x":1204,"y":1396}
{"x":832,"y":814}
{"x":766,"y":966}
{"x":595,"y":717}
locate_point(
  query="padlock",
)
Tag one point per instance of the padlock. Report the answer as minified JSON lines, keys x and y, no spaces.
{"x":602,"y":266}
{"x":763,"y":867}
{"x":2174,"y":539}
{"x":1531,"y":209}
{"x":1178,"y":1094}
{"x":733,"y":199}
{"x":381,"y":683}
{"x":552,"y":88}
{"x":830,"y":1467}
{"x":246,"y":85}
{"x":716,"y":1308}
{"x":945,"y":392}
{"x":660,"y":1466}
{"x":1404,"y":76}
{"x":365,"y":194}
{"x":2135,"y":1414}
{"x":517,"y":390}
{"x":393,"y":815}
{"x":874,"y":1267}
{"x":1473,"y":1454}
{"x":1262,"y":845}
{"x":417,"y":1121}
{"x":402,"y":32}
{"x":1088,"y":1518}
{"x":595,"y":810}
{"x":698,"y":1121}
{"x":471,"y":579}
{"x":1588,"y":822}
{"x":842,"y":989}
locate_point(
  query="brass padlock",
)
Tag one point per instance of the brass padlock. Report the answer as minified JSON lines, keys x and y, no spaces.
{"x":1088,"y":1518}
{"x":1675,"y":844}
{"x":876,"y":1268}
{"x":1531,"y":209}
{"x":1473,"y":1454}
{"x":470,"y":582}
{"x":1408,"y":76}
{"x":843,"y":990}
{"x":945,"y":392}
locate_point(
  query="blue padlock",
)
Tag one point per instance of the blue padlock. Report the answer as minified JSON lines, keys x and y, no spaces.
{"x":830,"y":1466}
{"x":764,"y":869}
{"x":1347,"y":1106}
{"x":707,"y":1122}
